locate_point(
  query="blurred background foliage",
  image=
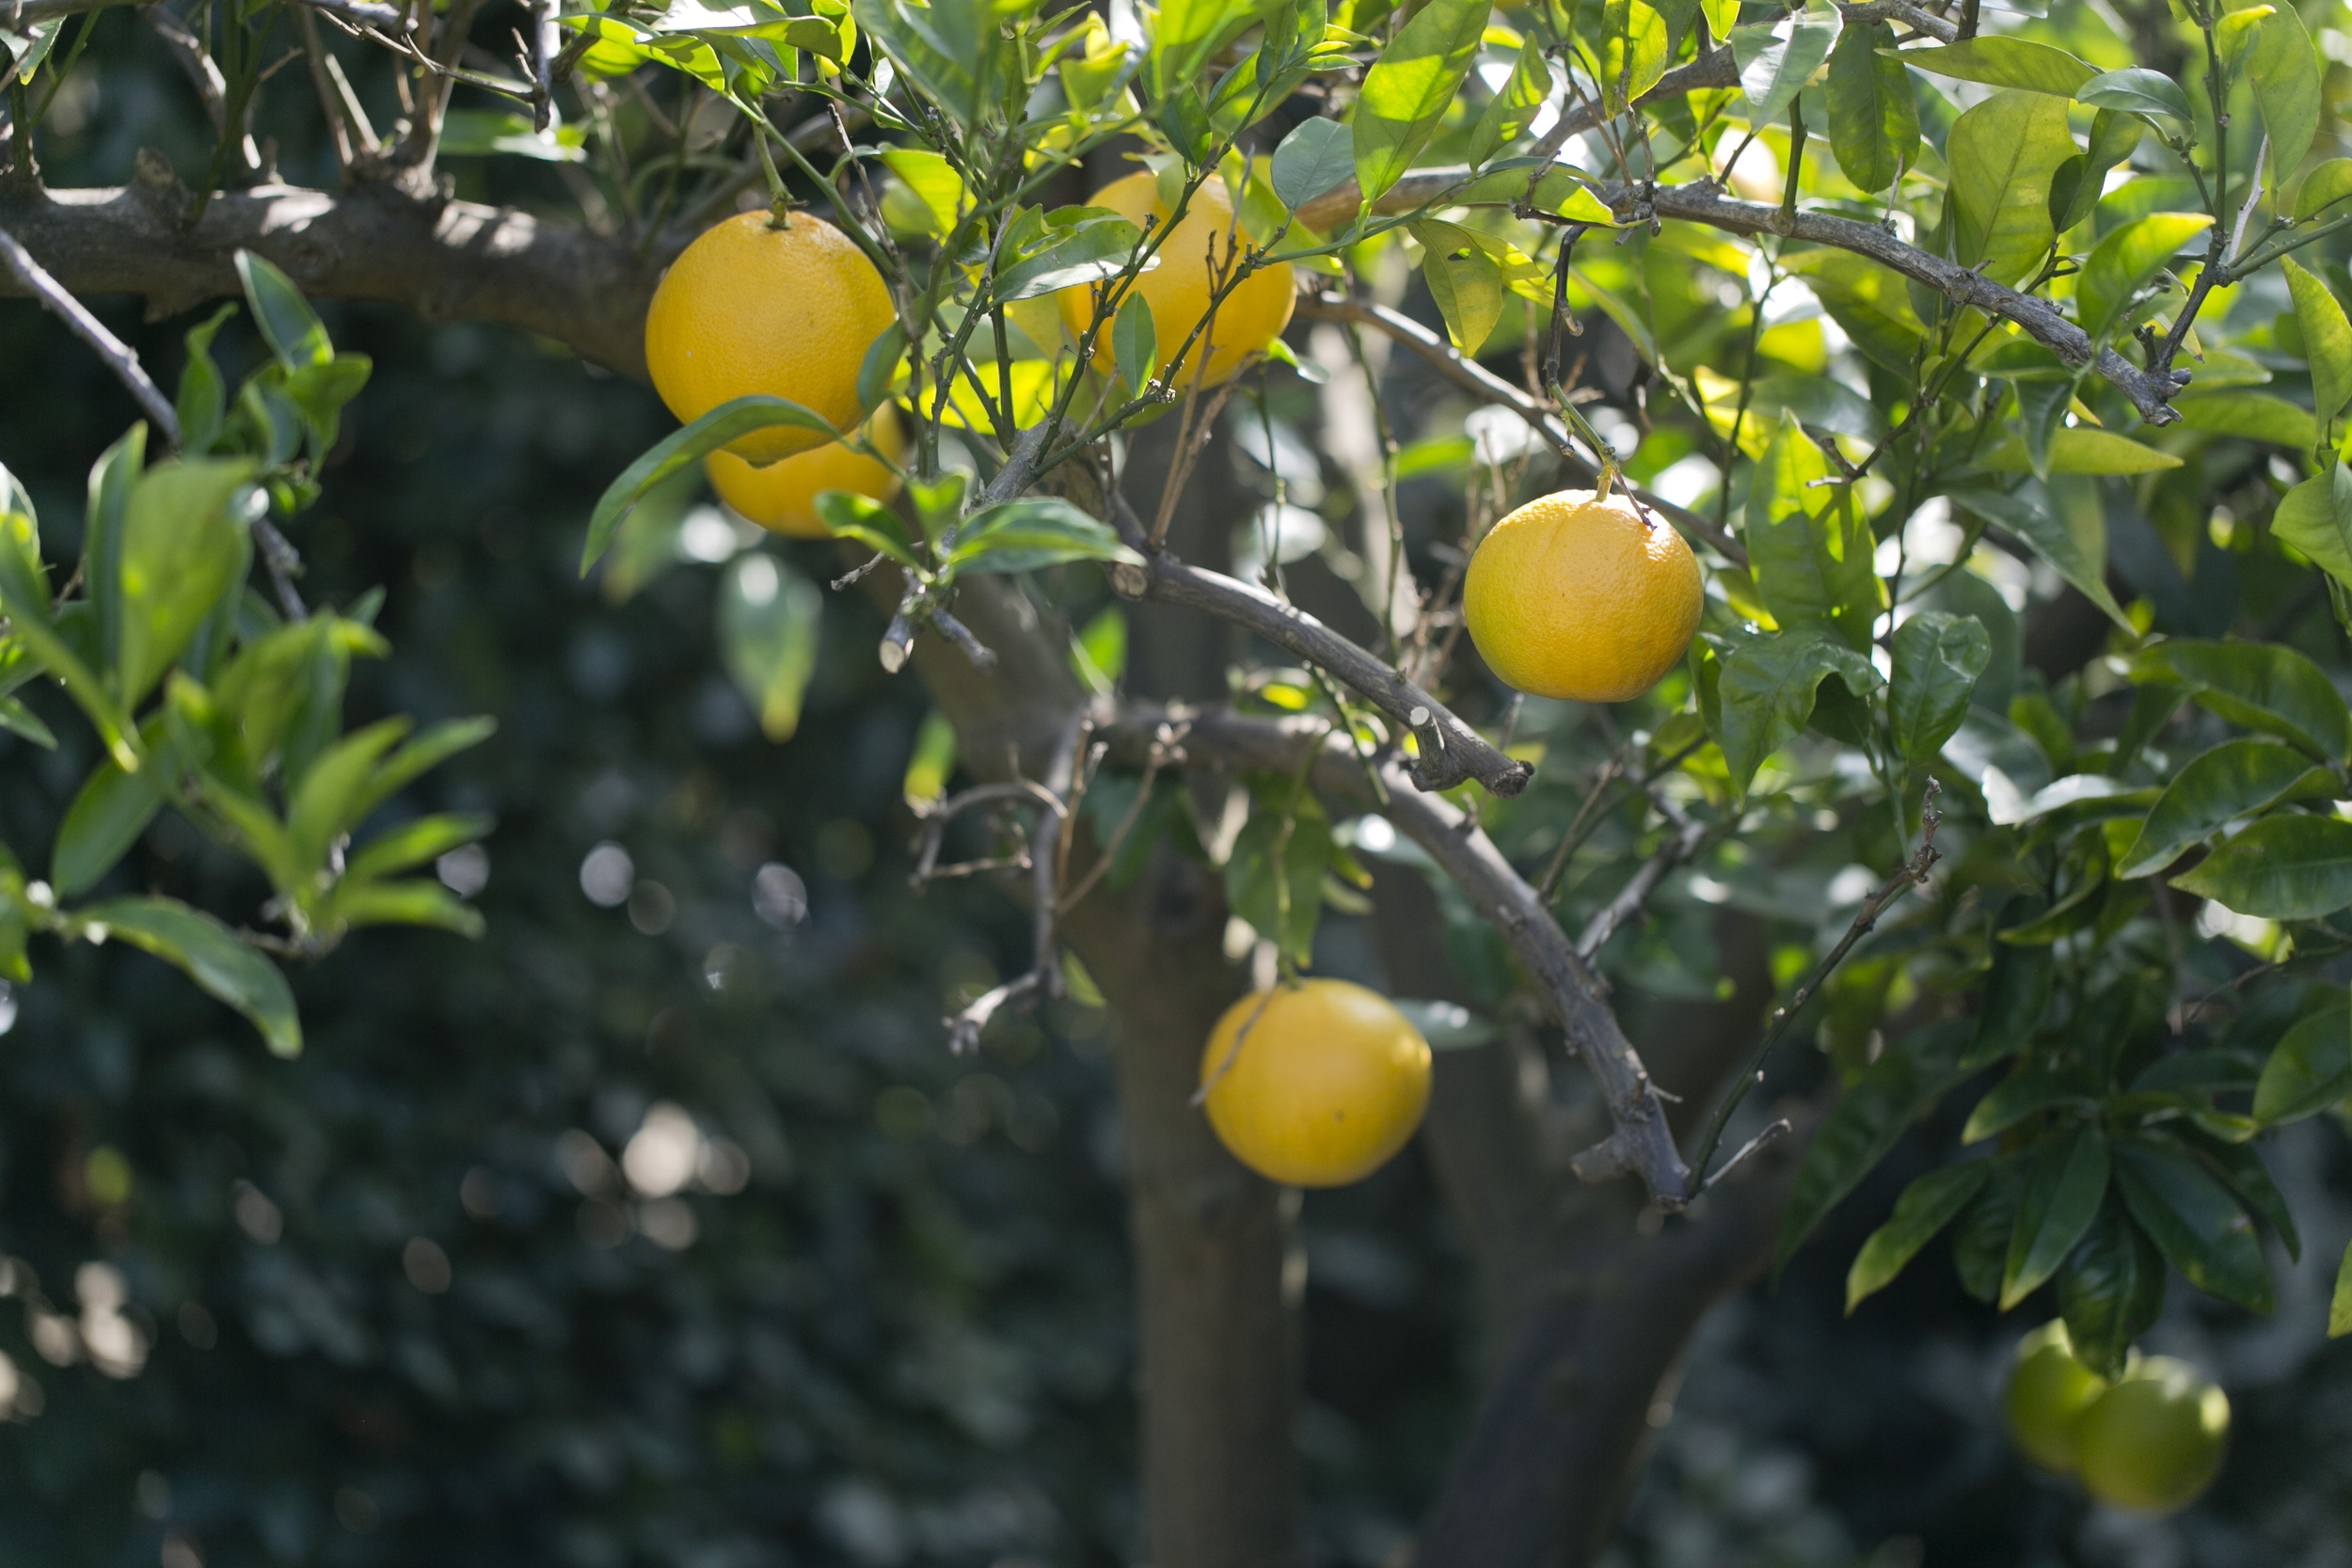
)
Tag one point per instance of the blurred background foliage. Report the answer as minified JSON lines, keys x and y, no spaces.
{"x":658,"y":1228}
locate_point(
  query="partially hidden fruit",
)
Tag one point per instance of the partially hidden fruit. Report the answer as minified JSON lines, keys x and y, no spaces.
{"x":1315,"y":1084}
{"x":756,"y":306}
{"x":2048,"y":1391}
{"x":782,"y":497}
{"x":2153,"y":1442}
{"x":1177,"y":290}
{"x":1583,"y":598}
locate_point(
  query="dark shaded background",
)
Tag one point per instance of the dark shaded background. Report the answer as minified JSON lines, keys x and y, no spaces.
{"x":907,"y":1338}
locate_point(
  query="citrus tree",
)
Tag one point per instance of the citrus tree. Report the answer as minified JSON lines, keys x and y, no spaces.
{"x":1878,"y":345}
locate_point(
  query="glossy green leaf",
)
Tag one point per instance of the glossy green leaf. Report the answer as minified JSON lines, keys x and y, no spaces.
{"x":1870,"y":304}
{"x":1980,"y":1239}
{"x":2136,"y":89}
{"x":184,"y":546}
{"x":727,"y":422}
{"x":2002,"y":154}
{"x":2061,"y":1196}
{"x":1765,"y":690}
{"x":2082,"y":450}
{"x":1926,"y":1206}
{"x":108,"y":813}
{"x":2081,"y":560}
{"x":2325,"y":185}
{"x":1032,"y":532}
{"x":2326,"y":341}
{"x":1274,"y":875}
{"x":414,"y":842}
{"x":1633,"y":51}
{"x":1408,"y":89}
{"x":2241,"y":1169}
{"x":2259,"y":685}
{"x":2016,"y":994}
{"x":2000,"y":61}
{"x":1809,"y":548}
{"x":933,"y":181}
{"x":2339,"y":1305}
{"x":1891,"y":1093}
{"x":1777,"y":58}
{"x":210,"y":955}
{"x":769,"y":619}
{"x":1464,"y":282}
{"x":1134,"y":342}
{"x":202,"y":400}
{"x":409,"y":902}
{"x":2255,"y":416}
{"x":878,"y":371}
{"x":1873,"y":115}
{"x":1316,"y":157}
{"x":2195,"y":1223}
{"x":1936,"y":658}
{"x":433,"y":745}
{"x":2282,"y":68}
{"x":1506,"y":115}
{"x":2238,"y":778}
{"x":1187,"y":34}
{"x":2309,"y":1069}
{"x":2125,"y":262}
{"x":2076,"y":184}
{"x":2285,"y":867}
{"x":319,"y":809}
{"x":2110,"y":1291}
{"x":1081,"y":246}
{"x":289,"y":325}
{"x":2017,"y":1097}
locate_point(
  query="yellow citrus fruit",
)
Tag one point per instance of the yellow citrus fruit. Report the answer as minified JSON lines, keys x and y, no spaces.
{"x":782,"y":497}
{"x":2153,"y":1442}
{"x":1579,"y":597}
{"x":1327,"y":1081}
{"x":2047,"y":1393}
{"x":755,"y":306}
{"x":1177,"y":290}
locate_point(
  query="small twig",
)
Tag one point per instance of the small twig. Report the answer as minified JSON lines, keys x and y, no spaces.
{"x":1233,"y":1052}
{"x":965,"y":1029}
{"x":285,"y":564}
{"x":1574,"y":835}
{"x":1739,"y":1156}
{"x":120,"y":356}
{"x":1679,"y":847}
{"x":960,"y":635}
{"x":1912,"y":873}
{"x":1167,"y":751}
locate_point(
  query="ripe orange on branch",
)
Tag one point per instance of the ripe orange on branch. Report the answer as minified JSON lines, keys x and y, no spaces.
{"x":1576,"y":597}
{"x":759,"y":304}
{"x":782,"y":497}
{"x":1314,"y":1084}
{"x":1177,"y":290}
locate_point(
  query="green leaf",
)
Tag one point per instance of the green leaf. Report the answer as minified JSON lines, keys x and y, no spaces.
{"x":434,"y":745}
{"x":1464,"y":282}
{"x":1282,"y":895}
{"x":2241,"y":1169}
{"x":203,"y":397}
{"x":1926,"y":1206}
{"x":2061,"y":1198}
{"x":878,"y":370}
{"x":1870,"y":304}
{"x":109,"y":811}
{"x":2195,"y":1223}
{"x":1936,"y":658}
{"x":184,"y":546}
{"x":768,"y":616}
{"x":288,"y":324}
{"x":2255,"y":416}
{"x":320,"y":810}
{"x":2110,"y":1291}
{"x":1722,"y":17}
{"x":1032,"y":532}
{"x":947,"y":50}
{"x":867,"y":521}
{"x":1409,"y":87}
{"x":1765,"y":690}
{"x":1316,"y":157}
{"x":2138,"y":91}
{"x":1981,"y":1239}
{"x":112,"y":478}
{"x":1873,"y":114}
{"x":1507,"y":114}
{"x":1635,"y":44}
{"x":729,"y":422}
{"x":2016,"y":994}
{"x":1188,"y":33}
{"x":2282,"y":67}
{"x":2082,"y":450}
{"x":2125,"y":261}
{"x":1080,"y":246}
{"x":1777,"y":58}
{"x":2325,"y":185}
{"x":2285,"y":867}
{"x":2076,"y":184}
{"x":2326,"y":341}
{"x":1866,"y":1123}
{"x":2002,"y":154}
{"x":1099,"y":652}
{"x":411,"y":902}
{"x":2340,"y":1306}
{"x":2238,"y":778}
{"x":932,"y":181}
{"x":2017,"y":1097}
{"x":210,"y":955}
{"x":412,"y":844}
{"x":18,"y":719}
{"x":2258,"y":686}
{"x":2081,"y":560}
{"x":2006,"y":62}
{"x":1134,"y":342}
{"x":2309,"y":1069}
{"x":494,"y":133}
{"x":1809,"y":548}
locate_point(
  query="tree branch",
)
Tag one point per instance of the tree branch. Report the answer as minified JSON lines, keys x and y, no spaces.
{"x":366,"y":13}
{"x":1642,"y":1144}
{"x":121,"y":357}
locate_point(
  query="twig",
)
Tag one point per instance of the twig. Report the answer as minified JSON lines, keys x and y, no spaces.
{"x":1569,"y":840}
{"x":1679,"y":845}
{"x":1167,"y":751}
{"x":285,"y":564}
{"x":1912,"y":873}
{"x":120,"y":356}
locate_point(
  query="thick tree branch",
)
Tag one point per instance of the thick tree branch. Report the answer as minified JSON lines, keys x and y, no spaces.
{"x":1642,"y":1144}
{"x":1472,"y":376}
